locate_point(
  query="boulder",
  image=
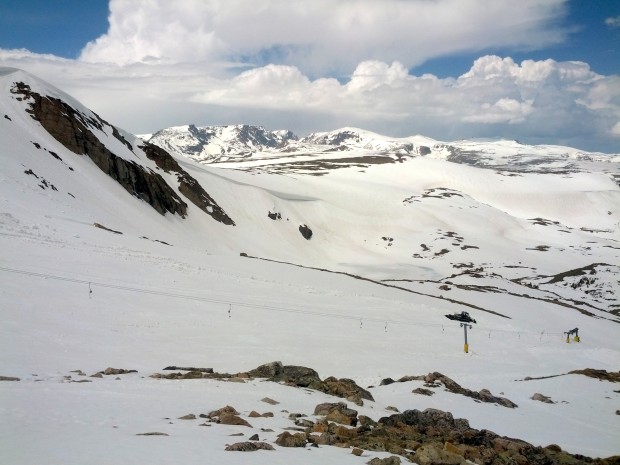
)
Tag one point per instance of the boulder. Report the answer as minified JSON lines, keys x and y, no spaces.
{"x":435,"y":454}
{"x":305,"y":231}
{"x":117,"y":371}
{"x":231,"y":419}
{"x":542,"y":398}
{"x":269,"y":401}
{"x":249,"y":446}
{"x":227,"y":409}
{"x":484,"y":395}
{"x":423,"y":391}
{"x":348,"y":389}
{"x":337,"y":412}
{"x":393,"y":460}
{"x":287,"y":439}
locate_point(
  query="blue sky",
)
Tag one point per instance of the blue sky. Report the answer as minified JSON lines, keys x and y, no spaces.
{"x":63,"y":27}
{"x":232,"y":66}
{"x":591,"y":41}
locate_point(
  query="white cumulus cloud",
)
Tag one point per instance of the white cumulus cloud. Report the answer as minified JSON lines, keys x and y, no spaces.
{"x":319,"y":65}
{"x":320,"y":35}
{"x":613,"y":21}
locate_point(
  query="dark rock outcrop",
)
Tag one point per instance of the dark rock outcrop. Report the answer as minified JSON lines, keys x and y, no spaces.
{"x":305,"y":231}
{"x":287,"y":439}
{"x":117,"y":371}
{"x":188,"y":186}
{"x":604,"y":375}
{"x":337,"y":412}
{"x":73,"y":130}
{"x":249,"y":446}
{"x":484,"y":395}
{"x":201,"y":370}
{"x":542,"y":398}
{"x":309,"y":378}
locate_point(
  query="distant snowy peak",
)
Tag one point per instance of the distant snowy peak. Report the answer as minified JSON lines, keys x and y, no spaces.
{"x":359,"y":139}
{"x":217,"y":144}
{"x":220,"y":143}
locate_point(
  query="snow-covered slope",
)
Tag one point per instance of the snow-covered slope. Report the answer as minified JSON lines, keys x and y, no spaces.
{"x":349,"y":272}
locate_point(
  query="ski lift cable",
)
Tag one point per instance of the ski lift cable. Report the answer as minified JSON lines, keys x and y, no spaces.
{"x":178,"y":295}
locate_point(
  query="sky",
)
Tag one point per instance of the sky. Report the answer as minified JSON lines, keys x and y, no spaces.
{"x":539,"y":71}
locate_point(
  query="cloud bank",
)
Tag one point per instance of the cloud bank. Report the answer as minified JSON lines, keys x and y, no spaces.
{"x":319,"y":36}
{"x":320,"y":65}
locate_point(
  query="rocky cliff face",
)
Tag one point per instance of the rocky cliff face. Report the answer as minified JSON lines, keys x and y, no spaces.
{"x":188,"y":186}
{"x":74,"y":130}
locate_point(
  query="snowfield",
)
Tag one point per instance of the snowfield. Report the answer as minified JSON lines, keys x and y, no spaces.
{"x":396,"y":244}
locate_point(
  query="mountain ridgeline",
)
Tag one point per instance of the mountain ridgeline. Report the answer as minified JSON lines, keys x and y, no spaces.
{"x":76,"y":130}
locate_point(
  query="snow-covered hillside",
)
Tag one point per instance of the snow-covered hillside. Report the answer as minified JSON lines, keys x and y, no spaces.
{"x":343,"y":261}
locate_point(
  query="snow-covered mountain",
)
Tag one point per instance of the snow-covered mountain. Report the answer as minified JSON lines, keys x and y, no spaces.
{"x":338,"y":253}
{"x":215,"y":144}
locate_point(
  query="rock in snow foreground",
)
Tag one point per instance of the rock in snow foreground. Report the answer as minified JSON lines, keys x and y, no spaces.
{"x":428,"y":437}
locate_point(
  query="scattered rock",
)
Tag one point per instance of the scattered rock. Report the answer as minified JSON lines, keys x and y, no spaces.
{"x":254,"y":414}
{"x":154,"y":433}
{"x":179,"y":375}
{"x":337,"y":412}
{"x":201,"y":370}
{"x":189,"y":416}
{"x":542,"y":398}
{"x":305,"y":231}
{"x":424,"y":392}
{"x":287,"y":439}
{"x":105,"y":228}
{"x":231,"y":419}
{"x":117,"y":371}
{"x":357,"y":451}
{"x":97,"y":375}
{"x":366,"y":422}
{"x":249,"y":446}
{"x":484,"y":395}
{"x":434,"y":454}
{"x":393,"y":460}
{"x":269,"y":401}
{"x":254,"y":437}
{"x":604,"y":375}
{"x":9,"y":378}
{"x":307,"y":377}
